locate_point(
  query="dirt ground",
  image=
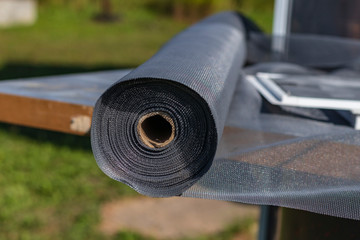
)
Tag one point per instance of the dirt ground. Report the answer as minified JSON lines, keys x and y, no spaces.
{"x":173,"y":217}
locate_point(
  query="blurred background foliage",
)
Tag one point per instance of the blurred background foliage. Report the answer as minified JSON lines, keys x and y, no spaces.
{"x":50,"y":185}
{"x":86,"y":35}
{"x":186,"y":9}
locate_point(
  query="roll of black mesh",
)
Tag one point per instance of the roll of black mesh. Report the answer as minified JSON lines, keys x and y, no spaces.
{"x":157,"y":129}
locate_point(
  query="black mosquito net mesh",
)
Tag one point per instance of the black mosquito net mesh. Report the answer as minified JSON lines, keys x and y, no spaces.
{"x":187,"y":123}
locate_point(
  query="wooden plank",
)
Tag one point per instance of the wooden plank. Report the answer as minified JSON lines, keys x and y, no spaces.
{"x":45,"y":114}
{"x":59,"y":103}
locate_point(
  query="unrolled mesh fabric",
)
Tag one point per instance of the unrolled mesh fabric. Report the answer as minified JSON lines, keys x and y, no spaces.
{"x":229,"y":144}
{"x":304,"y":49}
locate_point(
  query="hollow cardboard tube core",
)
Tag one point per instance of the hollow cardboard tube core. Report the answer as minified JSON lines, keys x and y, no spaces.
{"x":156,"y":129}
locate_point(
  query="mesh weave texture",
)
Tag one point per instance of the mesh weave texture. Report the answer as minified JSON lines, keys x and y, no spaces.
{"x":231,"y":144}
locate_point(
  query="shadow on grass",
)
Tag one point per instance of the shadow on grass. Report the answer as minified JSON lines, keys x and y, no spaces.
{"x":15,"y":70}
{"x":40,"y":135}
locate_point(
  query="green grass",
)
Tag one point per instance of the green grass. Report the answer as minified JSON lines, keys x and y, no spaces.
{"x":65,"y":38}
{"x":50,"y":185}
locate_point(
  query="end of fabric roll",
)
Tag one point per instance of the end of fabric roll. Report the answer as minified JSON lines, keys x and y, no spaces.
{"x":156,"y":129}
